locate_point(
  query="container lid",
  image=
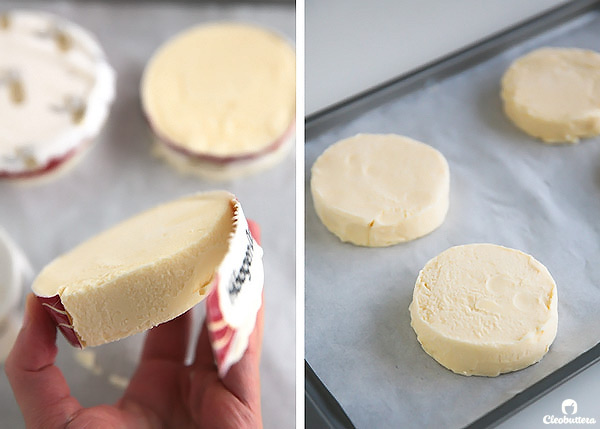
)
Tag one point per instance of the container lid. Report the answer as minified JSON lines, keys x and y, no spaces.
{"x":55,"y":90}
{"x":12,"y":269}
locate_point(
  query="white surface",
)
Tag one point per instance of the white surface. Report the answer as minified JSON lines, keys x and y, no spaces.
{"x":120,"y":177}
{"x":505,"y":188}
{"x":352,"y":45}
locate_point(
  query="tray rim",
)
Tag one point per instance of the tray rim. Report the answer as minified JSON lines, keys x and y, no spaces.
{"x":441,"y":68}
{"x":316,"y":391}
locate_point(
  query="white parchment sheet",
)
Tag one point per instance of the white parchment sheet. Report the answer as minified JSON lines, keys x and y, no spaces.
{"x":506,"y":188}
{"x":119,"y":177}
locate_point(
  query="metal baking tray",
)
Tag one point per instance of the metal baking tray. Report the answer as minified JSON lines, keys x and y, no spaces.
{"x":119,"y":177}
{"x":364,"y":365}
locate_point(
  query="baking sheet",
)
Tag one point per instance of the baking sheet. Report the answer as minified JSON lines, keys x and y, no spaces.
{"x":506,"y":188}
{"x":120,"y":177}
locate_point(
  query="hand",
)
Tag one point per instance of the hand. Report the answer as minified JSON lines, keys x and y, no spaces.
{"x":163,"y":392}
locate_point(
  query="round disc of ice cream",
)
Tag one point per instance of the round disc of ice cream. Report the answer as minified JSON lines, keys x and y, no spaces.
{"x":483,"y":309}
{"x":379,"y":190}
{"x":221,"y":96}
{"x":55,"y":92}
{"x":155,"y":266}
{"x":554,"y":94}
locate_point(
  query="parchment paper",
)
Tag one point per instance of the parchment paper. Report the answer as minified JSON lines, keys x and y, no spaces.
{"x":120,"y":177}
{"x":506,"y":188}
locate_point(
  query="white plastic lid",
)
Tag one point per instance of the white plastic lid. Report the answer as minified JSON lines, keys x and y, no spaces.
{"x":11,"y":275}
{"x":8,"y":334}
{"x":56,"y":88}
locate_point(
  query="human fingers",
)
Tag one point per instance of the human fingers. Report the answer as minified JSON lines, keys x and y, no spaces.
{"x":169,"y":341}
{"x":257,"y":342}
{"x":233,"y":401}
{"x":254,"y":230}
{"x":156,"y":384}
{"x":38,"y":384}
{"x":243,"y":378}
{"x":204,"y":356}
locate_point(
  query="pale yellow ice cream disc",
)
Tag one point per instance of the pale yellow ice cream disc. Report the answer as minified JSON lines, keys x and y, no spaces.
{"x":554,"y":94}
{"x":223,"y":90}
{"x":148,"y":269}
{"x":483,"y":309}
{"x":379,"y":190}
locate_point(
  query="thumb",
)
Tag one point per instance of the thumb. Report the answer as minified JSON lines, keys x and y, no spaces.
{"x":39,"y":386}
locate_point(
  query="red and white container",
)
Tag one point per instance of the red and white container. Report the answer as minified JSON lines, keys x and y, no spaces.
{"x":56,"y":89}
{"x":220,"y":99}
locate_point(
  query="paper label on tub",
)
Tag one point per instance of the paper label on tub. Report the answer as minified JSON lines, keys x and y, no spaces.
{"x":57,"y":312}
{"x":232,"y":306}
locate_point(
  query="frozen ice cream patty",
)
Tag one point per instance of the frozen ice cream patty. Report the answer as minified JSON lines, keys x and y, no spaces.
{"x":378,"y":190}
{"x":483,"y":309}
{"x":221,"y":99}
{"x":56,"y":89}
{"x":155,"y":266}
{"x":554,"y":94}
